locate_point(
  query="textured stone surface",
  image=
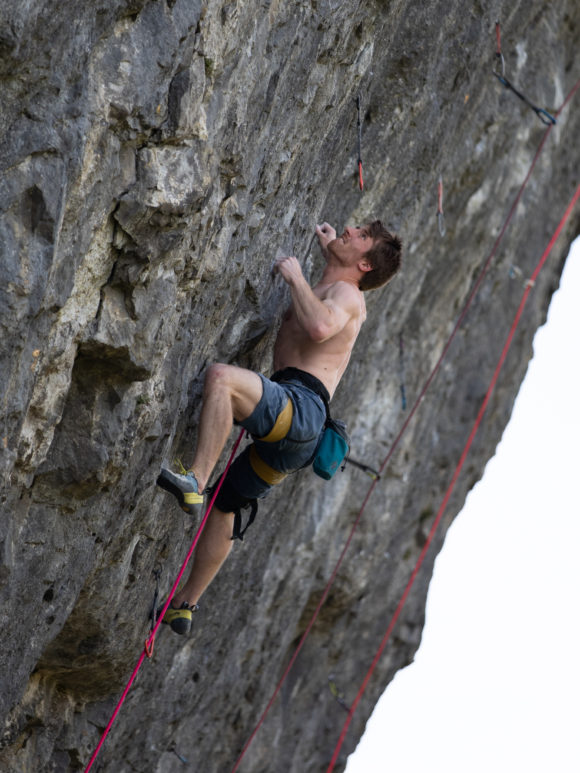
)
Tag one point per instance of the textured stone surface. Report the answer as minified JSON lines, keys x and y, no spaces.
{"x":156,"y":156}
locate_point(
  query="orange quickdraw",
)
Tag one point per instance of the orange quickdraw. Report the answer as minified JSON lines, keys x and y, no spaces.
{"x":359,"y":128}
{"x":149,"y":646}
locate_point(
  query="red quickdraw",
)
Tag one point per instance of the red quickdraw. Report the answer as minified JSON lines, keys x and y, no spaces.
{"x":359,"y":129}
{"x":149,"y":646}
{"x":498,"y":53}
{"x":440,"y":216}
{"x":396,"y":442}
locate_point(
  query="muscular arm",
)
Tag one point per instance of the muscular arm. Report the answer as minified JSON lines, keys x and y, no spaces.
{"x":320,"y":319}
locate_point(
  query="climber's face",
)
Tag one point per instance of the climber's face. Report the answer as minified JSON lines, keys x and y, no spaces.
{"x":352,"y":245}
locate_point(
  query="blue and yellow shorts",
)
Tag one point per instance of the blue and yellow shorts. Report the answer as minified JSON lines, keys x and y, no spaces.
{"x":286,"y":427}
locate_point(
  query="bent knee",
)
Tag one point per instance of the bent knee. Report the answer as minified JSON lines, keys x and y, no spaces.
{"x":243,"y":386}
{"x":218,"y":375}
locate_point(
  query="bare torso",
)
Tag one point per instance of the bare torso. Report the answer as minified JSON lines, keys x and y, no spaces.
{"x":327,"y":360}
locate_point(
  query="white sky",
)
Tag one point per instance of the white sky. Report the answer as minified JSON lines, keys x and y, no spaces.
{"x":495,"y":685}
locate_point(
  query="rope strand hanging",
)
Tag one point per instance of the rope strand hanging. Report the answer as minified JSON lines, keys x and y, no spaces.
{"x":403,"y":429}
{"x":150,"y":641}
{"x":151,"y":637}
{"x":455,"y":477}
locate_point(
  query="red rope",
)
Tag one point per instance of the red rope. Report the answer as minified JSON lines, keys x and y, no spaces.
{"x":151,"y":638}
{"x":467,"y":447}
{"x":387,"y":459}
{"x":148,"y":648}
{"x":397,"y":440}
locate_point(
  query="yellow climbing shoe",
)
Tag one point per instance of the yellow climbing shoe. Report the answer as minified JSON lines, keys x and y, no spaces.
{"x":183,"y":487}
{"x":179,"y":619}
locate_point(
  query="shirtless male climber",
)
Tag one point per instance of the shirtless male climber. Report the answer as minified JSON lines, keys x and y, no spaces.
{"x":285,"y":414}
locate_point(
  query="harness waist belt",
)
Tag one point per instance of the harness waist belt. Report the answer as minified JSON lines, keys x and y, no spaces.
{"x":307,"y":379}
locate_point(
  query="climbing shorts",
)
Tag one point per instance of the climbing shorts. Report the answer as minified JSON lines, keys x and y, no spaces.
{"x":286,"y":427}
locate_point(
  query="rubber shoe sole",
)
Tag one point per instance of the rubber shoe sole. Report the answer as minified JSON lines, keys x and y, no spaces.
{"x":183,"y":487}
{"x":179,"y":620}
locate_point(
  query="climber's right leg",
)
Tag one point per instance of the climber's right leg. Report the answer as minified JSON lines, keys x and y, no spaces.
{"x":229,"y":393}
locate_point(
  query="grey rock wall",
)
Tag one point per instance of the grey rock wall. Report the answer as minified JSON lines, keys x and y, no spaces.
{"x":156,"y":156}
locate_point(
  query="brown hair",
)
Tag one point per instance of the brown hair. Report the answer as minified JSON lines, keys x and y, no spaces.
{"x":384,"y":257}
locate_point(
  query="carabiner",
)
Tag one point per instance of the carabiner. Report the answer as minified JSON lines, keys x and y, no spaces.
{"x":545,"y":117}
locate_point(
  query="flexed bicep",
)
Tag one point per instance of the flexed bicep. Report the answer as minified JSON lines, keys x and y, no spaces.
{"x":341,"y":306}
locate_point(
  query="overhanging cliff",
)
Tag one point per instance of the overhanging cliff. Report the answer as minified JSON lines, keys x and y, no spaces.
{"x":156,"y":156}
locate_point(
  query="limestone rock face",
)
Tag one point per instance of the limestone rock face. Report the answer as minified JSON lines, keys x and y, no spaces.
{"x":157,"y":155}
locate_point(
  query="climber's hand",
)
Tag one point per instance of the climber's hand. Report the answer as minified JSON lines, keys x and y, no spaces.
{"x":326,"y":233}
{"x":290,"y":269}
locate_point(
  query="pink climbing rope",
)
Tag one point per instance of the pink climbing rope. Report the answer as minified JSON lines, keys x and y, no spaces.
{"x":528,"y":288}
{"x":404,"y":427}
{"x":150,"y":640}
{"x":148,"y":648}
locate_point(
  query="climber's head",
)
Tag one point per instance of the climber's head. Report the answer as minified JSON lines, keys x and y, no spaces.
{"x":384,"y":257}
{"x":370,"y":248}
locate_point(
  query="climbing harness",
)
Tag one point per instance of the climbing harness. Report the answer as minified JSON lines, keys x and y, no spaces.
{"x":402,"y":372}
{"x":239,"y":532}
{"x":440,"y":215}
{"x":456,"y":474}
{"x":229,"y":500}
{"x":545,"y":117}
{"x":398,"y":439}
{"x":359,"y":129}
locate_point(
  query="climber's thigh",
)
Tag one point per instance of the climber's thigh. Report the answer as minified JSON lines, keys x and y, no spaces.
{"x":244,"y":387}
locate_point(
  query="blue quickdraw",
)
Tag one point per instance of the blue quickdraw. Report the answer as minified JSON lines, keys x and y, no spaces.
{"x":546,"y":118}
